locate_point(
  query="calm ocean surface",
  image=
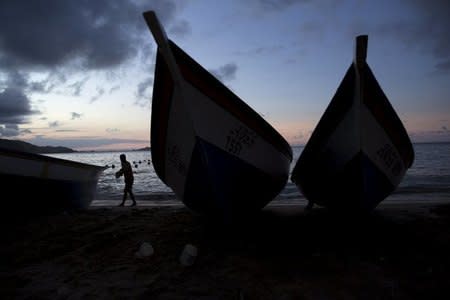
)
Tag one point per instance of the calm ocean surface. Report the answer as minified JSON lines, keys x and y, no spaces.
{"x":427,"y":179}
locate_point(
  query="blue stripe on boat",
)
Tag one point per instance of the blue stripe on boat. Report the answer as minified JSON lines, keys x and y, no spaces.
{"x":376,"y":186}
{"x":359,"y":186}
{"x":221,"y":184}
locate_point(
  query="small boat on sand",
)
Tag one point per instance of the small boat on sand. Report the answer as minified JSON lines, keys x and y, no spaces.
{"x":359,"y":151}
{"x":217,"y":154}
{"x":39,"y":184}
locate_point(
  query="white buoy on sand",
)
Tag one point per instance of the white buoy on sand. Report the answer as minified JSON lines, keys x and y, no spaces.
{"x":145,"y":250}
{"x":188,"y":255}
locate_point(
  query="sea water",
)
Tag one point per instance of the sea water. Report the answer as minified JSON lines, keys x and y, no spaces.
{"x":427,"y":179}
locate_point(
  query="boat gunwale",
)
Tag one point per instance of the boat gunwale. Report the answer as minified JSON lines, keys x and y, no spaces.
{"x":49,"y":159}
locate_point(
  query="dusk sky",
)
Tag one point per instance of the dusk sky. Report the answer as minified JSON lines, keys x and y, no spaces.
{"x":79,"y":73}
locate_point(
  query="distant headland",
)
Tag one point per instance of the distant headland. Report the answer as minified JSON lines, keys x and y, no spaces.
{"x":27,"y":147}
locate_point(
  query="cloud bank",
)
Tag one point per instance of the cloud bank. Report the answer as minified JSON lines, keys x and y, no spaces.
{"x":62,"y":38}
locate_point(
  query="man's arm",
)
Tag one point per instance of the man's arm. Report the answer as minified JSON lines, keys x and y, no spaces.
{"x":119,"y":173}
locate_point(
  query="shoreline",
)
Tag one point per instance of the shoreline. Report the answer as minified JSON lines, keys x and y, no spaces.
{"x":172,"y":201}
{"x":397,"y":252}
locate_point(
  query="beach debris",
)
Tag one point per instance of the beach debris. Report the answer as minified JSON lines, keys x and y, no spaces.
{"x":63,"y":291}
{"x":145,"y":250}
{"x":188,"y":255}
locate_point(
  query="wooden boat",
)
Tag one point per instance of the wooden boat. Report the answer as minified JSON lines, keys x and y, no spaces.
{"x":359,"y":151}
{"x":218,"y":155}
{"x":39,"y":184}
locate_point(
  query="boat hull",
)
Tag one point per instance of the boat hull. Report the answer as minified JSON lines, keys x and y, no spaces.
{"x":359,"y":151}
{"x":358,"y":186}
{"x":36,"y":195}
{"x":216,"y":153}
{"x":37,"y":184}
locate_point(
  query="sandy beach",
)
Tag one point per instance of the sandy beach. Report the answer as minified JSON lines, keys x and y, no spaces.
{"x":397,"y":252}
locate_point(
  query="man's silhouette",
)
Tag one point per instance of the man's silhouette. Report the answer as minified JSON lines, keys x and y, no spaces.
{"x":127,"y":172}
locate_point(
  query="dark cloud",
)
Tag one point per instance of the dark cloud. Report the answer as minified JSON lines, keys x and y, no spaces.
{"x":9,"y":130}
{"x":143,"y":87}
{"x":77,"y":86}
{"x":434,"y":15}
{"x":113,"y":89}
{"x":98,"y":34}
{"x":63,"y":38}
{"x":14,"y":106}
{"x":75,"y":115}
{"x":54,"y":124}
{"x":44,"y":86}
{"x":40,"y":87}
{"x":16,"y":79}
{"x":48,"y":33}
{"x":100,"y":92}
{"x":146,"y":56}
{"x":225,"y":72}
{"x":428,"y":30}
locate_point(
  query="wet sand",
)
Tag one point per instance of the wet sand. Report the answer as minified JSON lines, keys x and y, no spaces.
{"x":397,"y":252}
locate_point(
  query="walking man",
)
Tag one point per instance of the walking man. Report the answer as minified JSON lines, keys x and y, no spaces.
{"x":127,"y":173}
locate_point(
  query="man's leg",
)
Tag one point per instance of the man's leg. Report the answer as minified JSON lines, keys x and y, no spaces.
{"x":132,"y":197}
{"x":124,"y":197}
